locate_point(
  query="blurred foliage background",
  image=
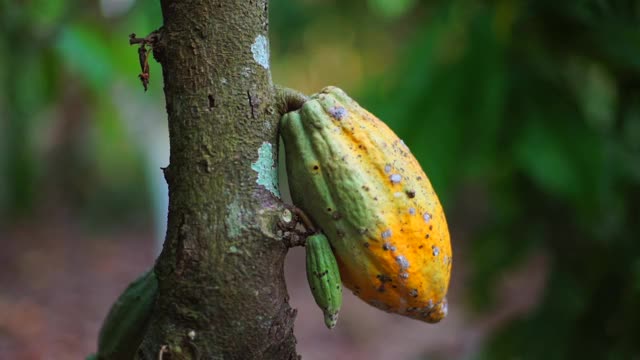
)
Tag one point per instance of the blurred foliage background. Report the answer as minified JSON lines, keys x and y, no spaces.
{"x":525,"y":115}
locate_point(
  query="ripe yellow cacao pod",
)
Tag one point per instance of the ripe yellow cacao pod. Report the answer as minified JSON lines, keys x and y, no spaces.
{"x":362,"y":186}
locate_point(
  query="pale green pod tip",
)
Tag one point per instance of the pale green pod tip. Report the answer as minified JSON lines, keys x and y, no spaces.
{"x":330,"y":320}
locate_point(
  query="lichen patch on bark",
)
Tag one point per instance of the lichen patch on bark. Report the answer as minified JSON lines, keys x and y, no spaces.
{"x":267,"y":169}
{"x":260,"y":51}
{"x":233,"y":220}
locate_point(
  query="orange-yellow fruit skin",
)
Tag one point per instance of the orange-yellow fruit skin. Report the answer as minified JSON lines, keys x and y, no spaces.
{"x":362,"y":186}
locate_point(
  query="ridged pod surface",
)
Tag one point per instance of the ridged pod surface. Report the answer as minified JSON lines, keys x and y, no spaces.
{"x":323,"y":276}
{"x":362,"y":186}
{"x":124,"y":327}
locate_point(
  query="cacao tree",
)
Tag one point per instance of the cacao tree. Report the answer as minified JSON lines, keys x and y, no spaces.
{"x":221,"y":286}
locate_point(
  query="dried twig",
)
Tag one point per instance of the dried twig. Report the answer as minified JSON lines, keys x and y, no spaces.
{"x":143,"y":54}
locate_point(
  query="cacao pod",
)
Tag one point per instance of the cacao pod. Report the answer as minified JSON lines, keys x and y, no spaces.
{"x":124,"y":327}
{"x":324,"y":277}
{"x":362,"y":186}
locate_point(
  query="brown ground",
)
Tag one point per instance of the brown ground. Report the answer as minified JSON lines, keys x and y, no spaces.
{"x":57,"y":282}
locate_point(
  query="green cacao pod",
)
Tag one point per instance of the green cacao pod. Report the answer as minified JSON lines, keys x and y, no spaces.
{"x":323,"y":276}
{"x":124,"y":327}
{"x":361,"y":185}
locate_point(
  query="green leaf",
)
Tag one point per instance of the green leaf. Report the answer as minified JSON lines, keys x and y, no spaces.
{"x":83,"y":52}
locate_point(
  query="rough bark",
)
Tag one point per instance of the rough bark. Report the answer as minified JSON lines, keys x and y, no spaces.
{"x":222,"y":293}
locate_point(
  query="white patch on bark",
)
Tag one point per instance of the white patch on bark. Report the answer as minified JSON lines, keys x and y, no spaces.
{"x":267,"y":169}
{"x":260,"y":51}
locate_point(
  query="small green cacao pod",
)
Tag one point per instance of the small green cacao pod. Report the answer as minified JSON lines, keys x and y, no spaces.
{"x":360,"y":184}
{"x":323,"y":276}
{"x":124,"y":327}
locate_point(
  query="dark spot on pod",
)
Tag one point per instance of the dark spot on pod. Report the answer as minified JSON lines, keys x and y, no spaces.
{"x":316,"y":167}
{"x":379,"y":304}
{"x":413,"y":293}
{"x":411,"y":194}
{"x":388,"y":246}
{"x":366,"y":245}
{"x":430,"y":227}
{"x":365,"y":187}
{"x":394,"y":286}
{"x":338,"y":287}
{"x":383,"y":280}
{"x":419,"y":178}
{"x":329,"y":209}
{"x":428,"y":236}
{"x":420,"y":247}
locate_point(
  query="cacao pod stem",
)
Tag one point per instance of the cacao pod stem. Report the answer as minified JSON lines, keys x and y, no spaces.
{"x":288,"y":99}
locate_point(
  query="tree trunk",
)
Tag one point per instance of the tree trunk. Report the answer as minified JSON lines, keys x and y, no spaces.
{"x":221,"y":284}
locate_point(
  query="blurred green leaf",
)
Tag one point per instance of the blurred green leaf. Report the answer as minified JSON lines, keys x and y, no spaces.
{"x":391,"y":8}
{"x":541,"y":154}
{"x":83,"y":51}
